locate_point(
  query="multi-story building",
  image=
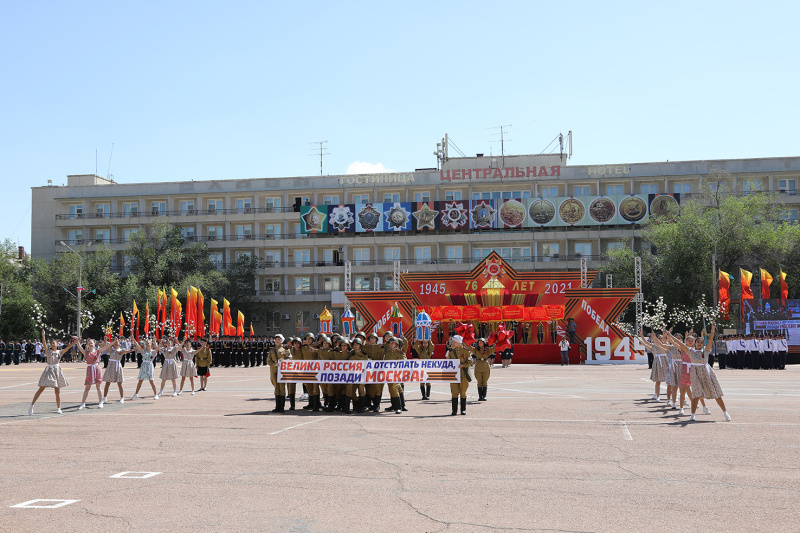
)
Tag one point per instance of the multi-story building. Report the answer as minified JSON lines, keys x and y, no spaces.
{"x":300,"y":269}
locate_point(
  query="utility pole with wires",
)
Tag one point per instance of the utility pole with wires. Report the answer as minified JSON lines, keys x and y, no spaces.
{"x":502,"y":134}
{"x":320,"y":151}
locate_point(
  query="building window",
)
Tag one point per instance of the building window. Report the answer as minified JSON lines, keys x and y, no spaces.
{"x":422,"y":196}
{"x":331,"y":284}
{"x":452,"y":195}
{"x":76,"y":236}
{"x":614,"y":190}
{"x":214,"y":206}
{"x":612,"y":246}
{"x":550,"y":251}
{"x":244,"y":205}
{"x":158,"y":208}
{"x":128,"y":262}
{"x":103,"y":210}
{"x":330,"y":199}
{"x":391,"y":197}
{"x":188,"y":233}
{"x":244,"y":232}
{"x":361,"y":198}
{"x":76,"y":211}
{"x":272,"y":257}
{"x":272,"y":231}
{"x":362,"y":283}
{"x":581,"y":190}
{"x":391,"y":254}
{"x":302,"y":258}
{"x":246,"y":256}
{"x":128,"y":234}
{"x":272,"y":204}
{"x":681,"y":188}
{"x":216,"y":259}
{"x":787,"y":186}
{"x":508,"y":195}
{"x":583,"y":249}
{"x":302,"y":285}
{"x":102,"y":236}
{"x":131,"y":209}
{"x":215,"y":233}
{"x":648,"y":188}
{"x":548,"y":192}
{"x":388,"y":282}
{"x":454,"y":253}
{"x":361,"y":256}
{"x":509,"y":253}
{"x":422,"y":254}
{"x":789,"y":215}
{"x":187,"y":207}
{"x":272,"y":284}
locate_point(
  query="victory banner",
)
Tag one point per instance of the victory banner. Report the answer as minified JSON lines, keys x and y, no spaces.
{"x":369,"y":372}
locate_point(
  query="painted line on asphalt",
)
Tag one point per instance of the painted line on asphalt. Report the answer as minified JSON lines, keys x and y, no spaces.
{"x":19,"y":385}
{"x":30,"y":504}
{"x":298,"y":425}
{"x":625,"y":432}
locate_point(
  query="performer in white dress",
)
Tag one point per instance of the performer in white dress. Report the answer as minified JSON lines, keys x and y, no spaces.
{"x":188,"y":368}
{"x":113,"y":373}
{"x":149,"y":352}
{"x":169,"y":368}
{"x":52,"y":375}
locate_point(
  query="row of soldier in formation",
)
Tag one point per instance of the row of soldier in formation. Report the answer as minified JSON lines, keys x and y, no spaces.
{"x":367,"y":397}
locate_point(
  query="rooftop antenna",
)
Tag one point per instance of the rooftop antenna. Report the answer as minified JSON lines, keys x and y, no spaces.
{"x":322,"y":152}
{"x":441,"y":152}
{"x":502,"y":133}
{"x":108,"y":171}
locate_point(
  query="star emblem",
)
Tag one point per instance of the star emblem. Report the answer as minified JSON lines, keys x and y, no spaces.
{"x":397,"y":217}
{"x":341,"y":217}
{"x":369,"y":217}
{"x":425,"y":217}
{"x":454,"y":215}
{"x":314,"y":220}
{"x":483,"y":215}
{"x":493,"y":269}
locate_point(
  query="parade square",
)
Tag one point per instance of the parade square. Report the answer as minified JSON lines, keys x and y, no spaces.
{"x":573,"y":448}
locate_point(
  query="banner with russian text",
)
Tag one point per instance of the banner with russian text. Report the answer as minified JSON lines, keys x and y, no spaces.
{"x":366,"y":371}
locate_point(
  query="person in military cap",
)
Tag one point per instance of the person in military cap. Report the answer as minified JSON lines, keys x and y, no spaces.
{"x":464,"y":354}
{"x":358,"y":354}
{"x":375,"y":352}
{"x":325,"y":352}
{"x":344,"y":392}
{"x":393,"y":352}
{"x":309,"y":351}
{"x":276,"y":355}
{"x":424,"y":350}
{"x":296,"y":351}
{"x":483,"y":355}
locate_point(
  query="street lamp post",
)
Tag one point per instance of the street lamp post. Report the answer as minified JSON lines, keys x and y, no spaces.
{"x":79,"y":289}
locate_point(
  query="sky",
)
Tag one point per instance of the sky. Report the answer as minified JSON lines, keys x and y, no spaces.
{"x":244,"y":89}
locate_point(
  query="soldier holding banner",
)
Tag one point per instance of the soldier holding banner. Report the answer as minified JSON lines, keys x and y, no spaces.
{"x":464,"y":355}
{"x":424,"y":350}
{"x":276,"y":355}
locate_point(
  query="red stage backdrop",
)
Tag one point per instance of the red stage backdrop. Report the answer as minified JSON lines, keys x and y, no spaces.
{"x":493,"y":289}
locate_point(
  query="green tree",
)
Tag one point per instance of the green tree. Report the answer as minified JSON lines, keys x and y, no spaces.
{"x":16,"y":316}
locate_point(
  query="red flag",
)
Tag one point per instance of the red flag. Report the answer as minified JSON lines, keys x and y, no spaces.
{"x":201,"y":316}
{"x":746,"y":278}
{"x":158,"y":316}
{"x":766,"y":281}
{"x":784,"y":286}
{"x":251,"y":330}
{"x":227,"y":321}
{"x":173,"y":311}
{"x":121,"y":323}
{"x":240,"y":325}
{"x":724,"y":294}
{"x":147,"y":318}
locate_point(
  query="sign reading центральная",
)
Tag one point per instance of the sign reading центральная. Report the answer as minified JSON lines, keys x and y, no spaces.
{"x":366,"y":371}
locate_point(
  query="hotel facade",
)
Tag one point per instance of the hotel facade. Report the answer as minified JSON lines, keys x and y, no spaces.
{"x":537,"y":212}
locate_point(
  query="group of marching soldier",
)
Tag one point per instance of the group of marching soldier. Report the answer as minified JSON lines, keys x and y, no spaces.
{"x":362,"y":398}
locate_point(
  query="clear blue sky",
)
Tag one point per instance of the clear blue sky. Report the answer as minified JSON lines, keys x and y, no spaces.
{"x":219,"y":90}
